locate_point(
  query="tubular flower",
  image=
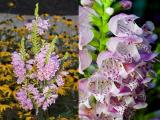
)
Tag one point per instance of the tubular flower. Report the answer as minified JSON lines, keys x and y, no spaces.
{"x":29,"y":95}
{"x":19,"y":67}
{"x":120,"y":82}
{"x":85,"y":59}
{"x":59,"y":80}
{"x":41,"y":24}
{"x":50,"y":95}
{"x":25,"y":102}
{"x":46,"y":71}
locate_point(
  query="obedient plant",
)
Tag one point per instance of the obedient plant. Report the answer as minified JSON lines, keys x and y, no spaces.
{"x":37,"y":69}
{"x":116,"y":87}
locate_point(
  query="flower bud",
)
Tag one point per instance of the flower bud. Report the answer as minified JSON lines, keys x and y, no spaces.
{"x":126,"y":4}
{"x":109,"y":10}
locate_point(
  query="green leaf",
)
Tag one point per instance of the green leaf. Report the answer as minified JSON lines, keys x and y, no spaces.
{"x":36,"y":10}
{"x":107,"y":3}
{"x":23,"y":52}
{"x":94,"y":43}
{"x":104,"y":28}
{"x":98,"y":8}
{"x":158,"y":48}
{"x":96,"y":21}
{"x":92,"y":101}
{"x":90,"y":70}
{"x":35,"y":39}
{"x":66,"y":55}
{"x":50,"y":50}
{"x":96,"y":33}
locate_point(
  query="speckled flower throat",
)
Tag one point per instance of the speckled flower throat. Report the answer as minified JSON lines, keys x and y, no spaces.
{"x":119,"y":65}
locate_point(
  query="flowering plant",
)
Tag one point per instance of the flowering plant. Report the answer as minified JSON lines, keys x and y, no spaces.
{"x":37,"y":69}
{"x":114,"y":87}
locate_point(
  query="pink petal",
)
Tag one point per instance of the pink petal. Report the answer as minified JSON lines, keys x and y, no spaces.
{"x":85,"y":36}
{"x":112,"y":109}
{"x":117,"y":45}
{"x":140,"y":105}
{"x":146,"y":80}
{"x":85,"y":113}
{"x":103,"y":56}
{"x":85,"y":31}
{"x":129,"y":67}
{"x":123,"y":25}
{"x":101,"y":108}
{"x":85,"y":60}
{"x":148,"y":56}
{"x":124,"y":91}
{"x":148,"y":26}
{"x":82,"y":84}
{"x":86,"y":2}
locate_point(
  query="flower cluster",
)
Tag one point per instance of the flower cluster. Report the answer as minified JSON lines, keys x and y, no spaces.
{"x":46,"y":71}
{"x":27,"y":94}
{"x":19,"y":64}
{"x":118,"y":86}
{"x":37,"y":72}
{"x":41,"y":24}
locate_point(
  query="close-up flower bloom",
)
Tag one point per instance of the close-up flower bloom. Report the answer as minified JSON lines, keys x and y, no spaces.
{"x":122,"y":76}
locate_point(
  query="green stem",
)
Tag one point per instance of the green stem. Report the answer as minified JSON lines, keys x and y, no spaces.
{"x":102,"y":32}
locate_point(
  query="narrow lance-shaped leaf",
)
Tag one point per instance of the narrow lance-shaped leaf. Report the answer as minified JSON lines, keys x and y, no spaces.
{"x":36,"y":11}
{"x":50,"y":50}
{"x":22,"y":49}
{"x":35,"y":35}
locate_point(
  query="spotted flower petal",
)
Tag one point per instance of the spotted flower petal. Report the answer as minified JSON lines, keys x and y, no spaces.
{"x":103,"y":56}
{"x":123,"y":25}
{"x":125,"y":52}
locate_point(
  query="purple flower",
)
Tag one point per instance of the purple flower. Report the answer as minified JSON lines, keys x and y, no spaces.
{"x":120,"y":81}
{"x":18,"y":67}
{"x":59,"y":80}
{"x":126,"y":4}
{"x":51,"y":67}
{"x":124,"y":51}
{"x":50,"y":96}
{"x":46,"y":71}
{"x":25,"y":102}
{"x":50,"y":100}
{"x":85,"y":60}
{"x":29,"y":95}
{"x":148,"y":35}
{"x":42,"y":25}
{"x":86,"y":2}
{"x":85,"y":32}
{"x":123,"y":25}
